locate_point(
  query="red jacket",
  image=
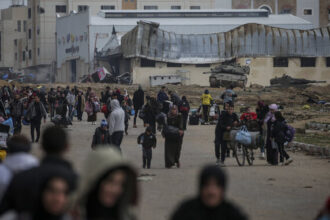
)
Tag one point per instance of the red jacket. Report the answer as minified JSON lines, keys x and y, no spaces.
{"x":248,"y":116}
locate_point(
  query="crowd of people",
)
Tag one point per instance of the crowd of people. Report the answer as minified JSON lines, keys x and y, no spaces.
{"x":107,"y":188}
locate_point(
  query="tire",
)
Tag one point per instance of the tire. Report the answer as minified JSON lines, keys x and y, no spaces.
{"x":239,"y":154}
{"x":249,"y":155}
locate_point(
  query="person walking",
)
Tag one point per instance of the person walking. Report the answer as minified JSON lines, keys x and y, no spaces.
{"x":261,"y":111}
{"x":80,"y":105}
{"x":148,"y":141}
{"x":162,"y":99}
{"x":138,"y":102}
{"x":184,"y":109}
{"x":151,"y":110}
{"x":228,"y":120}
{"x":116,"y":121}
{"x":173,"y":145}
{"x":211,"y":202}
{"x":17,"y":113}
{"x":279,"y":130}
{"x":206,"y":103}
{"x":272,"y":149}
{"x":35,"y":113}
{"x":229,"y":95}
{"x":71,"y":98}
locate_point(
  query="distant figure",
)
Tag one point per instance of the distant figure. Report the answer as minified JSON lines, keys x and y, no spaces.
{"x":206,"y":103}
{"x":162,"y":99}
{"x":210,"y":203}
{"x":116,"y":121}
{"x":173,"y":143}
{"x":138,"y":102}
{"x":184,"y":109}
{"x":80,"y":105}
{"x":228,"y":120}
{"x":279,"y":130}
{"x":101,"y":135}
{"x":35,"y":113}
{"x":272,"y":151}
{"x":148,"y":141}
{"x":229,"y":95}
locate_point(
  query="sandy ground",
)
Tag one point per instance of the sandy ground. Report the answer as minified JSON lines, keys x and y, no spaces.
{"x":263,"y":192}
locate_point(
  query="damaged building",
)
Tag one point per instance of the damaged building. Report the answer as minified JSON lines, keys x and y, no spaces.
{"x":175,"y":43}
{"x":268,"y":51}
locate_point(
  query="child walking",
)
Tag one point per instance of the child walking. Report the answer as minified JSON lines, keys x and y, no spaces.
{"x":148,"y":141}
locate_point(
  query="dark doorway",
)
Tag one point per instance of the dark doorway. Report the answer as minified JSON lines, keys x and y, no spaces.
{"x":73,"y":70}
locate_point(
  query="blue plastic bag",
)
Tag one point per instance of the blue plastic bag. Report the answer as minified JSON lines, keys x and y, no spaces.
{"x":243,"y":136}
{"x":10,"y":123}
{"x":132,"y":112}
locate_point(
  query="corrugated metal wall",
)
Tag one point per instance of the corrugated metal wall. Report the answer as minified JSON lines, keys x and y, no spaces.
{"x":250,"y":40}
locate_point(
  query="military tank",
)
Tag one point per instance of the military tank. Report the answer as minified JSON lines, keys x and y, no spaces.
{"x":229,"y":74}
{"x":286,"y":81}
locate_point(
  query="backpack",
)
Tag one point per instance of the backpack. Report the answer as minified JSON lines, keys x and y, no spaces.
{"x":184,"y":107}
{"x":290,"y":133}
{"x":97,"y":107}
{"x":104,"y":109}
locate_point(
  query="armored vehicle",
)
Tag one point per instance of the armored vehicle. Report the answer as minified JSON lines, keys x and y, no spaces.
{"x":226,"y":75}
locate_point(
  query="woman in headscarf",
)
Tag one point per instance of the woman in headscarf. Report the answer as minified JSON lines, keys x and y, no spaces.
{"x":211,"y":201}
{"x":272,"y":151}
{"x":108,"y":189}
{"x":173,"y":143}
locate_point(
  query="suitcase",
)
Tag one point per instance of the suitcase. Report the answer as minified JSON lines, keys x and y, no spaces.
{"x":193,"y":120}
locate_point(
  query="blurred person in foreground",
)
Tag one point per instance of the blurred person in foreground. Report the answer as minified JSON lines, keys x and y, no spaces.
{"x":108,"y":188}
{"x":210,"y":203}
{"x":29,"y":183}
{"x":325,"y":212}
{"x":52,"y":201}
{"x":18,"y":160}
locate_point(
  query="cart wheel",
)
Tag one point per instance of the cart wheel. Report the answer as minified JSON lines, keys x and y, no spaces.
{"x":249,"y":155}
{"x":239,"y":151}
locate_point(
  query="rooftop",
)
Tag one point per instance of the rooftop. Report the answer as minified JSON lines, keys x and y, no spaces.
{"x":208,"y":25}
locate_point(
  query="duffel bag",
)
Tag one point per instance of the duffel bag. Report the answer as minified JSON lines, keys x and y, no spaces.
{"x":171,"y":132}
{"x":243,"y":136}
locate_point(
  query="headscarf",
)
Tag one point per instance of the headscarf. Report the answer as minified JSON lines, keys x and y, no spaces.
{"x":170,"y":114}
{"x":270,"y":115}
{"x":215,"y":172}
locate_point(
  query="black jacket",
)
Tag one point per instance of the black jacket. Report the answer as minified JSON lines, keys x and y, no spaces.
{"x":279,"y":129}
{"x":147,"y":141}
{"x":138,"y":99}
{"x":194,"y":209}
{"x":227,"y":120}
{"x":24,"y":189}
{"x":97,"y":137}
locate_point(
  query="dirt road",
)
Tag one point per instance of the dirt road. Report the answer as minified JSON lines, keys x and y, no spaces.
{"x":263,"y":192}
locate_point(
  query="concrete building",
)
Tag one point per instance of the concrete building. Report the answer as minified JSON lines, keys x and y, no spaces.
{"x":81,"y":37}
{"x":269,"y":51}
{"x":13,"y":38}
{"x":42,"y":22}
{"x":315,"y":11}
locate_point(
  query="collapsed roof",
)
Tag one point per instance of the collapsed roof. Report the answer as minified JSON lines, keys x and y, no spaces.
{"x":146,"y":40}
